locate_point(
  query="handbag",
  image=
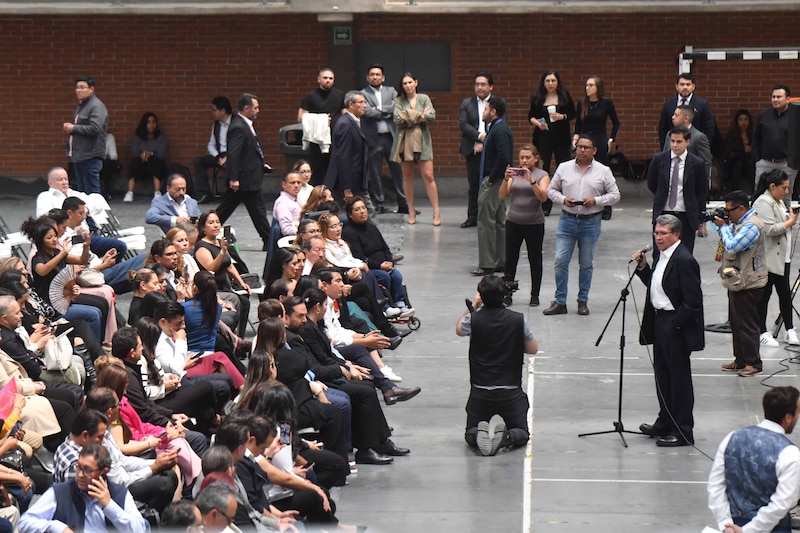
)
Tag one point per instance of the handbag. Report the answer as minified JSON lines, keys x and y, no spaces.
{"x":91,"y":278}
{"x":58,"y":352}
{"x":13,"y":459}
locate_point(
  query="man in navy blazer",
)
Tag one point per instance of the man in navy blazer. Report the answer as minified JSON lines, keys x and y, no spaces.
{"x":704,"y":118}
{"x":473,"y":133}
{"x":673,"y":324}
{"x":691,"y":185}
{"x":173,"y":207}
{"x":347,"y":172}
{"x":245,"y":168}
{"x":379,"y":127}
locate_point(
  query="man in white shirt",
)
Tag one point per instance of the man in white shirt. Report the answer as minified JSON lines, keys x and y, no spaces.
{"x":217,"y":154}
{"x":755,"y":478}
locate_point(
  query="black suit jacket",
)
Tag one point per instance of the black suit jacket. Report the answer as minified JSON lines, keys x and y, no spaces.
{"x":681,"y":283}
{"x":349,"y":152}
{"x":324,"y":366}
{"x":703,"y":117}
{"x":695,"y":185}
{"x":498,"y":149}
{"x":245,"y":160}
{"x":468,"y":122}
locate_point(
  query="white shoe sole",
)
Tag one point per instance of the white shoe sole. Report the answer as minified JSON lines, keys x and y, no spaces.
{"x":483,"y":440}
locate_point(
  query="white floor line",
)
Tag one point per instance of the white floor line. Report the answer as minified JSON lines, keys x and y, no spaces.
{"x":643,"y":481}
{"x":726,"y":375}
{"x":527,"y":478}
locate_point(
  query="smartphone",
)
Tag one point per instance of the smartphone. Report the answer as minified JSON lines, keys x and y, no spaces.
{"x":286,"y":433}
{"x":195,"y":355}
{"x":78,"y":239}
{"x":518,"y":172}
{"x":310,"y":466}
{"x":228,"y":234}
{"x":161,"y":436}
{"x":15,"y":428}
{"x":193,"y":220}
{"x":577,"y":202}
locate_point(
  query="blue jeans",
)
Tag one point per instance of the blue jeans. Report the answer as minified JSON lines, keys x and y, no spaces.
{"x":91,"y":315}
{"x":341,"y":400}
{"x":584,"y":232}
{"x":87,"y":175}
{"x":117,"y":275}
{"x":393,"y":282}
{"x":100,"y":245}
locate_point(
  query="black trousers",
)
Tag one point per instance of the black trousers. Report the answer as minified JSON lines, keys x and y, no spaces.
{"x":330,"y":428}
{"x":533,"y":235}
{"x":309,"y":504}
{"x":195,"y":401}
{"x":369,"y":424}
{"x":253,"y":201}
{"x":330,"y":468}
{"x":202,"y":165}
{"x":380,"y":150}
{"x":511,"y":404}
{"x":781,"y":284}
{"x":65,"y":415}
{"x":473,"y":180}
{"x":156,"y":492}
{"x":673,"y":372}
{"x":744,"y":326}
{"x":360,"y":356}
{"x":100,"y":303}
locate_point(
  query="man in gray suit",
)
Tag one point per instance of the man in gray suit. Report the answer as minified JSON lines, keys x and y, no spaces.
{"x":379,"y":127}
{"x":699,"y":145}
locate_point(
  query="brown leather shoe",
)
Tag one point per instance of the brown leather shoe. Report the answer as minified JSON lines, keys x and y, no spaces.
{"x":555,"y":309}
{"x":583,"y":309}
{"x":731,"y":367}
{"x":749,"y":371}
{"x":397,"y":394}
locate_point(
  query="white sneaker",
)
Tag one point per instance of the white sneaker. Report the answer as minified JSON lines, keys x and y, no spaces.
{"x":128,"y":197}
{"x":767,"y":340}
{"x":157,"y":194}
{"x":389,"y":374}
{"x":392,"y":312}
{"x":407,"y":312}
{"x":791,"y":337}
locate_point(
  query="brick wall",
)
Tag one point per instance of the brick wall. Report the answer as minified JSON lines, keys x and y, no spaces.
{"x":175,"y":65}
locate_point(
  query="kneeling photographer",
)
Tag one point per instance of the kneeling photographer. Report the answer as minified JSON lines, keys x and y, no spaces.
{"x":744,"y":274}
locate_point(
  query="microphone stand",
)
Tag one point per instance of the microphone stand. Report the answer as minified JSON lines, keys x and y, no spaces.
{"x":619,"y":428}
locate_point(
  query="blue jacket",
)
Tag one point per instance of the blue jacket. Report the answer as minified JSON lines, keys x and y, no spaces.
{"x":162,"y":213}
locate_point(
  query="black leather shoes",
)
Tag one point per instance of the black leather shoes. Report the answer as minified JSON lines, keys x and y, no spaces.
{"x":397,"y":394}
{"x":404,"y":210}
{"x":390,"y":448}
{"x":372,"y":457}
{"x":482,"y":272}
{"x":379,"y":209}
{"x":671,"y":441}
{"x":650,"y":431}
{"x":394,"y":342}
{"x":469,"y":223}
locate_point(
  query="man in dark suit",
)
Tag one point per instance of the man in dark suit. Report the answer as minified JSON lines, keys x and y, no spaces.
{"x":683,"y":195}
{"x":347,"y":172}
{"x":245,"y":168}
{"x":704,"y":118}
{"x":473,"y":133}
{"x":175,"y":206}
{"x":379,"y":127}
{"x":673,"y":324}
{"x":498,"y":153}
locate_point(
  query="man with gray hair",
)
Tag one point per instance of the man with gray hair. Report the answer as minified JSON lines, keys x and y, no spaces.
{"x":673,"y":324}
{"x":217,"y":504}
{"x":347,"y":173}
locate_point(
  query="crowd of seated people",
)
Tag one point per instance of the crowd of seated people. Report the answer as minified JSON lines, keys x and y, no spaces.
{"x":166,"y":406}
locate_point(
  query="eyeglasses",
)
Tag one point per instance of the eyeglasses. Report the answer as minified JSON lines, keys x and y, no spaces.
{"x":584,"y":148}
{"x":335,"y":226}
{"x":85,"y":470}
{"x":228,"y":518}
{"x":315,"y":231}
{"x":661,"y":233}
{"x":728,"y":210}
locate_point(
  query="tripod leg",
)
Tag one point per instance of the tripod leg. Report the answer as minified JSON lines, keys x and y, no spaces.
{"x":779,"y":320}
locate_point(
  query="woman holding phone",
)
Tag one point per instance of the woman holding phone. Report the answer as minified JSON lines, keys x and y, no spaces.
{"x":526,"y":186}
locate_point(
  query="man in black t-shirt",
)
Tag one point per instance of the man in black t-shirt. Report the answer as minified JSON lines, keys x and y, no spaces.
{"x":323,"y":99}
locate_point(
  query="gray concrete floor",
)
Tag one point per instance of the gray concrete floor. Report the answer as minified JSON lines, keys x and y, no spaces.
{"x":560,"y":482}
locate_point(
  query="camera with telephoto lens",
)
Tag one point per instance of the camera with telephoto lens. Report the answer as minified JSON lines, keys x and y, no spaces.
{"x":720,"y":212}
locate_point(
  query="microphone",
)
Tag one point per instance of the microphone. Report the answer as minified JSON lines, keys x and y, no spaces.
{"x":644,"y":250}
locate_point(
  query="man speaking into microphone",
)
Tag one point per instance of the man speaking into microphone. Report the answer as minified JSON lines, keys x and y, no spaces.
{"x":673,"y":324}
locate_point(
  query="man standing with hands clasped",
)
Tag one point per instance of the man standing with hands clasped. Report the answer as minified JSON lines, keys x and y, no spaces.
{"x":673,"y":324}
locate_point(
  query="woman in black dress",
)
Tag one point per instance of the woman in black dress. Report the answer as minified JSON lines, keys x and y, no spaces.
{"x":594,"y":111}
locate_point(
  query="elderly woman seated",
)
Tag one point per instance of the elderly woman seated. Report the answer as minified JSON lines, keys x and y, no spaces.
{"x":367,"y":244}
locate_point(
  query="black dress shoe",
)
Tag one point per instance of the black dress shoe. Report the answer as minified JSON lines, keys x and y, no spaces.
{"x":651,"y":431}
{"x":405,"y":333}
{"x":379,"y":209}
{"x":390,"y":448}
{"x":397,"y":394}
{"x":469,"y":223}
{"x":205,"y":198}
{"x":404,"y":210}
{"x":371,"y":457}
{"x":396,"y":258}
{"x":671,"y":441}
{"x":394,"y":342}
{"x":482,"y":272}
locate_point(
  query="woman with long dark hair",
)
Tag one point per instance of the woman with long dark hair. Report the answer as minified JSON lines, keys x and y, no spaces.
{"x":149,"y":149}
{"x":303,"y":167}
{"x":285,"y":263}
{"x":594,"y":112}
{"x":740,"y":168}
{"x":777,"y":232}
{"x":550,"y":113}
{"x":413,"y":112}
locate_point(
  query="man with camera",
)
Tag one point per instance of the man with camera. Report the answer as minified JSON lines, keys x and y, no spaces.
{"x":499,"y":338}
{"x":744,"y":275}
{"x":679,"y":183}
{"x":673,"y":324}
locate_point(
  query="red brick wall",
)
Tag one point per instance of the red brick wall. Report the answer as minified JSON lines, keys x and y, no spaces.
{"x":175,"y":65}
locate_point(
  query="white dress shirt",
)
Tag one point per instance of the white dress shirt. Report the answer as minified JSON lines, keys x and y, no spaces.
{"x":787,"y":469}
{"x":340,"y":335}
{"x":658,"y":297}
{"x":680,"y":205}
{"x":223,"y":139}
